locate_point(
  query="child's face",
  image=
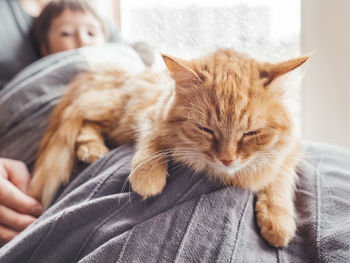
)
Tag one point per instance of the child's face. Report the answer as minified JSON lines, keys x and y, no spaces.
{"x":73,"y":29}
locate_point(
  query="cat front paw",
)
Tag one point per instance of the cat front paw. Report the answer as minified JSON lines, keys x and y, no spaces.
{"x":90,"y":152}
{"x":277,"y":226}
{"x":148,"y":180}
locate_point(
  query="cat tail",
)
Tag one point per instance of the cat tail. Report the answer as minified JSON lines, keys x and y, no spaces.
{"x":56,"y":155}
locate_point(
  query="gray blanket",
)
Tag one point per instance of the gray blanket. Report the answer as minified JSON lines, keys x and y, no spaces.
{"x":27,"y":101}
{"x":97,"y":218}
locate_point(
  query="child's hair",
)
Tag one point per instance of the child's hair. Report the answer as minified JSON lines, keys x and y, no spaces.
{"x":53,"y":9}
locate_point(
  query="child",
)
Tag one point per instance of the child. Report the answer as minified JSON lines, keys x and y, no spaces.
{"x":68,"y":24}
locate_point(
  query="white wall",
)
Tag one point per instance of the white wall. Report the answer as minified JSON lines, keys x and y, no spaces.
{"x":325,"y":27}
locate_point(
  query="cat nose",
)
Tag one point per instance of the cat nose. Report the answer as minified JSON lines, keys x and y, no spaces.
{"x":226,"y":162}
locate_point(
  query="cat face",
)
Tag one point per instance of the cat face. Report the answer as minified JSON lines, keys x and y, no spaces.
{"x":230,"y":131}
{"x":229,"y":115}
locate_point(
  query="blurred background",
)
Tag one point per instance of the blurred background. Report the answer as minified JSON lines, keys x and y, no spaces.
{"x":265,"y":29}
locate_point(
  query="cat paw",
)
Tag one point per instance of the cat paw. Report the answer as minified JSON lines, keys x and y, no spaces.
{"x":277,"y":226}
{"x":90,"y":152}
{"x":35,"y":191}
{"x":148,"y":181}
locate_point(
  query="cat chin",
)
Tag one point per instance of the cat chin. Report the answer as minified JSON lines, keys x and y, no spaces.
{"x":201,"y":164}
{"x":229,"y":171}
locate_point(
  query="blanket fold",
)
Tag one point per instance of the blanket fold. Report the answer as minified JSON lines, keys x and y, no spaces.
{"x":97,"y":218}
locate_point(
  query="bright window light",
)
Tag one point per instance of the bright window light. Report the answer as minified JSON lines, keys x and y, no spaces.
{"x":187,"y":28}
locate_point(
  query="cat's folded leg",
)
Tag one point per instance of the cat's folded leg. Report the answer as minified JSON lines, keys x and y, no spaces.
{"x":275,"y":210}
{"x":149,"y":170}
{"x":90,"y":143}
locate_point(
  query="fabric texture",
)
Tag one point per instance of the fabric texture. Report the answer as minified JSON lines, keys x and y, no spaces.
{"x":97,"y":218}
{"x":27,"y":101}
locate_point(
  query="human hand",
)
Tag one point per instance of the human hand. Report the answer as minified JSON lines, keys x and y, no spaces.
{"x":17,"y":209}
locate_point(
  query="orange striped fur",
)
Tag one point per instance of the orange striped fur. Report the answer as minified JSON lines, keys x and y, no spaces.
{"x":223,"y":114}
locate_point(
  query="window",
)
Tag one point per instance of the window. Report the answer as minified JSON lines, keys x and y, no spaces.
{"x":187,"y":28}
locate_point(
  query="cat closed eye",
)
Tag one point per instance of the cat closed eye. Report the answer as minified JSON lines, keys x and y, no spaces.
{"x":207,"y":130}
{"x":251,"y":133}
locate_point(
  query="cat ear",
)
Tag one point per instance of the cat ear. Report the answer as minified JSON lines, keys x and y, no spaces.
{"x":184,"y":76}
{"x":273,"y":71}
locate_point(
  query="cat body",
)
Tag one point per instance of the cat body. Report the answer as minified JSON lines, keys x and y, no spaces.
{"x":222,"y":114}
{"x":98,"y":107}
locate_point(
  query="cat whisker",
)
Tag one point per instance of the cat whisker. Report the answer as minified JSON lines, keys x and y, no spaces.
{"x":153,"y":158}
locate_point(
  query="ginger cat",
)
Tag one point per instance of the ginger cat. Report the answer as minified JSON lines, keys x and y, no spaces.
{"x":223,"y":114}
